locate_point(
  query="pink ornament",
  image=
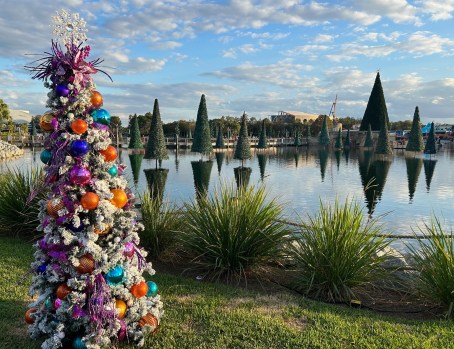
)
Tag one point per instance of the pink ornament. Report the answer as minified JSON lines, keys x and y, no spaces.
{"x":57,"y":303}
{"x":122,"y":332}
{"x":129,"y":249}
{"x":79,"y":175}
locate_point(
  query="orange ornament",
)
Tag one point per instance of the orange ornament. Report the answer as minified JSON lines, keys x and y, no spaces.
{"x":149,"y":320}
{"x":96,"y":99}
{"x":28,"y":318}
{"x":121,"y":305}
{"x":119,"y":198}
{"x":110,"y":153}
{"x":45,"y":122}
{"x":139,"y":290}
{"x":79,"y":126}
{"x":62,"y":291}
{"x":54,"y":205}
{"x":102,"y":232}
{"x":86,"y":264}
{"x":89,"y":201}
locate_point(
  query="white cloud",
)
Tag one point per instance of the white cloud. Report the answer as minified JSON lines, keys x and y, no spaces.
{"x":438,"y":10}
{"x":323,"y":38}
{"x":397,"y":10}
{"x":425,"y":43}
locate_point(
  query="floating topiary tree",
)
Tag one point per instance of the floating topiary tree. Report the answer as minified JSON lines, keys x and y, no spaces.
{"x":383,"y":144}
{"x":415,"y":138}
{"x":263,"y":142}
{"x":369,"y":142}
{"x":431,"y":146}
{"x":156,"y":146}
{"x":202,"y":134}
{"x":348,"y":141}
{"x":323,"y":138}
{"x":376,"y":110}
{"x":135,"y":142}
{"x":219,"y":139}
{"x":339,"y":144}
{"x":243,"y":152}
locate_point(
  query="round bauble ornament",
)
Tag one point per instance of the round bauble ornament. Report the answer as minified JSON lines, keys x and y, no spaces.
{"x":48,"y":303}
{"x":121,"y":305}
{"x":109,"y":154}
{"x":79,"y":175}
{"x":45,"y":156}
{"x":53,"y":206}
{"x":152,"y":289}
{"x":139,"y":290}
{"x":101,"y":116}
{"x":119,"y":198}
{"x":78,"y":343}
{"x":129,"y":249}
{"x":89,"y":201}
{"x":113,"y":171}
{"x":96,"y":99}
{"x":122,"y":331}
{"x":79,"y":126}
{"x":28,"y":318}
{"x":42,"y":268}
{"x":45,"y":122}
{"x":62,"y":291}
{"x":86,"y":264}
{"x":62,"y":90}
{"x":79,"y":147}
{"x":149,"y":320}
{"x":102,"y":232}
{"x":115,"y":276}
{"x":57,"y":303}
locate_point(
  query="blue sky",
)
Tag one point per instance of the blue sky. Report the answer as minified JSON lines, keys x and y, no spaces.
{"x":257,"y":56}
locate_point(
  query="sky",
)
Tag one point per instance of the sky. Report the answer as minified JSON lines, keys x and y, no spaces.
{"x":255,"y":56}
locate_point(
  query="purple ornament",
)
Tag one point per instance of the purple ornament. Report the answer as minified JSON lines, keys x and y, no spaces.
{"x":57,"y":303}
{"x":42,"y":268}
{"x":79,"y":147}
{"x":122,"y":332}
{"x":100,"y":126}
{"x":54,"y":123}
{"x":79,"y":175}
{"x":62,"y":90}
{"x":129,"y":249}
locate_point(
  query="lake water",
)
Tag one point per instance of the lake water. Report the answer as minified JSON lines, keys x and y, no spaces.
{"x":408,"y":189}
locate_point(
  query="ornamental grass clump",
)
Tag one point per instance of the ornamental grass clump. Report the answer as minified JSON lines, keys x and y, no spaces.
{"x":336,"y":251}
{"x":17,"y":216}
{"x":161,"y":221}
{"x":233,"y":231}
{"x":433,"y":259}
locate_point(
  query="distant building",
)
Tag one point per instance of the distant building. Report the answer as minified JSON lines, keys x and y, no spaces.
{"x":289,"y":117}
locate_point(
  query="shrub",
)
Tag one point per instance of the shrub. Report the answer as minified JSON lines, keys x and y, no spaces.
{"x":17,"y":217}
{"x":232,"y":231}
{"x":433,"y":258}
{"x":161,"y":221}
{"x":337,"y":251}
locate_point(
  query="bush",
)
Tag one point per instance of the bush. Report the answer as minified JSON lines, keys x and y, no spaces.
{"x":17,"y":217}
{"x":433,"y":258}
{"x":337,"y":251}
{"x":232,"y":231}
{"x":161,"y":221}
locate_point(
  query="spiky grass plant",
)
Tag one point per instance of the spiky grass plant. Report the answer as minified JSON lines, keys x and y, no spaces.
{"x":233,"y":231}
{"x":17,"y":217}
{"x":433,"y":258}
{"x":161,"y":221}
{"x":338,"y":250}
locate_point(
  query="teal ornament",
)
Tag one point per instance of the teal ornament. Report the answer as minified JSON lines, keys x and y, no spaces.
{"x":115,"y":276}
{"x":113,"y":171}
{"x":101,"y":116}
{"x":78,"y":344}
{"x":152,"y":288}
{"x":45,"y":156}
{"x":48,"y":304}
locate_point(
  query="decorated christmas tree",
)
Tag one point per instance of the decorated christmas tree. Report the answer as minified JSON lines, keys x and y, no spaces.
{"x":202,"y":134}
{"x":376,"y":111}
{"x":88,"y":286}
{"x":415,"y":139}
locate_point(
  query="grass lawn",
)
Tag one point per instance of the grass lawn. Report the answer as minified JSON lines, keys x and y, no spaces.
{"x":205,"y":315}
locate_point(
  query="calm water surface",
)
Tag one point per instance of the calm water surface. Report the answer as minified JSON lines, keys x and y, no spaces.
{"x":408,"y":189}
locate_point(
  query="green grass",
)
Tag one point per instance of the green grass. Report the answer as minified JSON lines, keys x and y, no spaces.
{"x":205,"y":315}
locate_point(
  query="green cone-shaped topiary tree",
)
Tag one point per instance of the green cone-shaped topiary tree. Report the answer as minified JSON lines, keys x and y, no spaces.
{"x":369,"y":142}
{"x":431,"y":146}
{"x":323,"y":138}
{"x":415,"y":139}
{"x":383,"y":144}
{"x":202,"y":134}
{"x":263,"y":142}
{"x":376,"y":108}
{"x":135,"y":142}
{"x":339,"y":143}
{"x":156,"y":146}
{"x":348,"y":141}
{"x":243,"y":146}
{"x":219,"y":139}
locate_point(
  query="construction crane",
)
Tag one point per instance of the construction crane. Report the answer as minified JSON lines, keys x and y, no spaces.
{"x":333,"y":110}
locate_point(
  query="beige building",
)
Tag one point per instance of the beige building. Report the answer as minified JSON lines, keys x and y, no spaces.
{"x":292,"y":116}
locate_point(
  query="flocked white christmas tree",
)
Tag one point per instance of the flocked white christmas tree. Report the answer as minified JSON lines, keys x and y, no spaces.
{"x":88,"y":286}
